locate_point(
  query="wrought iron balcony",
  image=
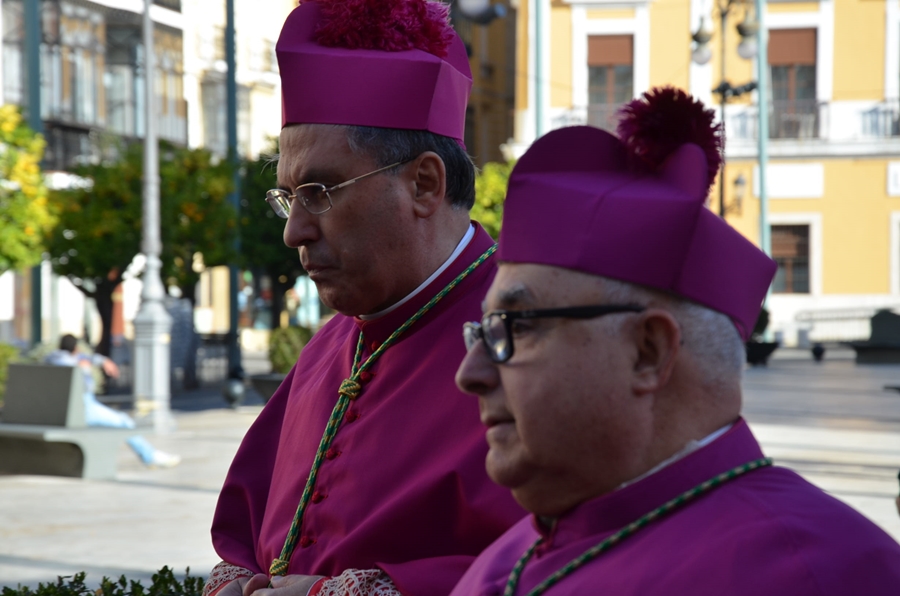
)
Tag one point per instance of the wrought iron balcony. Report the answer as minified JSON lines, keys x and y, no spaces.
{"x":603,"y":116}
{"x":795,"y":119}
{"x":788,"y":119}
{"x":882,"y":120}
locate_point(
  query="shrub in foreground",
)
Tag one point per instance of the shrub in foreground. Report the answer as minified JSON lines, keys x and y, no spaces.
{"x":164,"y":583}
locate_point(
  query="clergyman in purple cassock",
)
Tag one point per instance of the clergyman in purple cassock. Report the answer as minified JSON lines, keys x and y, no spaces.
{"x":607,"y":370}
{"x":364,"y":472}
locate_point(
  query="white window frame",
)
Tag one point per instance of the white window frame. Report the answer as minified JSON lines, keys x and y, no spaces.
{"x":814,"y":221}
{"x":894,"y":260}
{"x":823,"y":22}
{"x":582,"y":27}
{"x":892,"y":50}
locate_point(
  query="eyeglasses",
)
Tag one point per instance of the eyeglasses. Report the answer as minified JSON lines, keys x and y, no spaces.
{"x":315,"y":197}
{"x":496,"y":327}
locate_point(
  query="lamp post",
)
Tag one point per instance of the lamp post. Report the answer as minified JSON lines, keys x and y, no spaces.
{"x":152,"y":324}
{"x":233,"y":389}
{"x":762,"y":130}
{"x":740,"y":190}
{"x":747,"y":49}
{"x":481,"y":12}
{"x":33,"y":60}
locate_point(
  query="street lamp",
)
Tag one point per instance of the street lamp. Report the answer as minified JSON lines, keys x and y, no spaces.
{"x":747,"y":49}
{"x":152,"y":324}
{"x":740,"y":191}
{"x":481,"y":12}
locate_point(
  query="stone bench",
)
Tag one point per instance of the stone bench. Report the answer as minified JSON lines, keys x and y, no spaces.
{"x":883,"y":345}
{"x":43,"y":429}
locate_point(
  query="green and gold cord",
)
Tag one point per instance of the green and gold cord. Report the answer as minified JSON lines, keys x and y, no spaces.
{"x":625,"y":532}
{"x":349,"y":390}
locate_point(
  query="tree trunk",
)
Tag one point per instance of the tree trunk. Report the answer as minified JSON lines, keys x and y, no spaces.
{"x":278,"y":291}
{"x":103,"y":297}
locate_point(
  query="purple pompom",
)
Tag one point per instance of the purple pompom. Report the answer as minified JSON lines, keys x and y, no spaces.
{"x":663,"y":119}
{"x":387,"y":25}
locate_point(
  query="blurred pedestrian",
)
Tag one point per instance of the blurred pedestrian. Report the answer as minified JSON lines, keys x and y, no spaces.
{"x":98,"y":414}
{"x":608,"y":372}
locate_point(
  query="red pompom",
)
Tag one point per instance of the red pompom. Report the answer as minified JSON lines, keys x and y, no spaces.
{"x":387,"y":25}
{"x":663,"y":119}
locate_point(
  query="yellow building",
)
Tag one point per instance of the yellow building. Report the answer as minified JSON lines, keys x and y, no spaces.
{"x":834,"y":148}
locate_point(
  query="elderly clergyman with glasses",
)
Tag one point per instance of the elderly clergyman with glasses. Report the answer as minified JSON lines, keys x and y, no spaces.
{"x":364,"y":472}
{"x":607,"y":368}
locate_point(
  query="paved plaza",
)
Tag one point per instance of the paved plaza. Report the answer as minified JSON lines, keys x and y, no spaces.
{"x":832,"y":422}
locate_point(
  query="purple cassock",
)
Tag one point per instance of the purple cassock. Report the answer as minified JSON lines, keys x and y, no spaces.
{"x":767,"y":532}
{"x":403,"y":486}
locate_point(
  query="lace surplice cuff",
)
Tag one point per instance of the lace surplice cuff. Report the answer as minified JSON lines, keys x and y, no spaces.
{"x":221,"y":574}
{"x":356,"y":582}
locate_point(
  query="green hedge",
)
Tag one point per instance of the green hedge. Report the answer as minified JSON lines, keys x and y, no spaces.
{"x":8,"y":354}
{"x":285,"y":345}
{"x":164,"y":584}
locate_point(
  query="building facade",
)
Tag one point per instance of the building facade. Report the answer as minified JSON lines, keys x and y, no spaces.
{"x":834,"y":138}
{"x":93,"y":91}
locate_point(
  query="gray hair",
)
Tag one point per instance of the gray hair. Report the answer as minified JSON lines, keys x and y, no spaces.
{"x":708,"y":335}
{"x":390,"y":145}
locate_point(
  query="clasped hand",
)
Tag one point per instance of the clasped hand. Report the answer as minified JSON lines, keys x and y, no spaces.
{"x":259,"y":585}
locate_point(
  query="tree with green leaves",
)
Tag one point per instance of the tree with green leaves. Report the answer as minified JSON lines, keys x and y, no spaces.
{"x":99,"y":230}
{"x":25,"y":215}
{"x":490,"y":191}
{"x":197,"y":217}
{"x":262,"y":246}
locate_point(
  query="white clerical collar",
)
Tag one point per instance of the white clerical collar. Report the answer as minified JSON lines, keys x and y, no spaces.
{"x":689,"y":448}
{"x":467,"y":237}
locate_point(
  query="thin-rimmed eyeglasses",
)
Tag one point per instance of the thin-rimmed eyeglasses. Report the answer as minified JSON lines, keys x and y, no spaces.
{"x":315,"y":197}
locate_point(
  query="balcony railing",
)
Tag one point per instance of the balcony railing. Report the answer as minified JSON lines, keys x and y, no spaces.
{"x":795,"y":119}
{"x":788,"y":119}
{"x":603,"y":116}
{"x":882,"y":120}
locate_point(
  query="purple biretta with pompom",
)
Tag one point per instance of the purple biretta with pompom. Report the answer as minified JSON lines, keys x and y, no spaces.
{"x":632,"y":208}
{"x":383,"y":64}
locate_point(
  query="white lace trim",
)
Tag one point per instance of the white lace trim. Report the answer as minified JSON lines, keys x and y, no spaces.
{"x":222,"y":574}
{"x":359,"y":582}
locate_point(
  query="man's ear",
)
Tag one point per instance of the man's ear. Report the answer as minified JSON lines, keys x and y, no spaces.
{"x":657,"y":337}
{"x":429,"y":177}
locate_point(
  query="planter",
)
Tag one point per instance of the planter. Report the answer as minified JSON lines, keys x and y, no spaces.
{"x":758,"y":352}
{"x":266,"y":385}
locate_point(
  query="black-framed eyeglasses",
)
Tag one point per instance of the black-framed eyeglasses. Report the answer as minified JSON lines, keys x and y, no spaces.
{"x":315,"y":197}
{"x":496,"y":327}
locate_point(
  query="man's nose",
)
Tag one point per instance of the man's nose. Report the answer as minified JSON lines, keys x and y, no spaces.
{"x":300,"y":228}
{"x":477,"y":374}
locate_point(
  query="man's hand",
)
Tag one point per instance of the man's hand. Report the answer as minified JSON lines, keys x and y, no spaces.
{"x":110,"y":368}
{"x":234,"y":587}
{"x":289,"y":585}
